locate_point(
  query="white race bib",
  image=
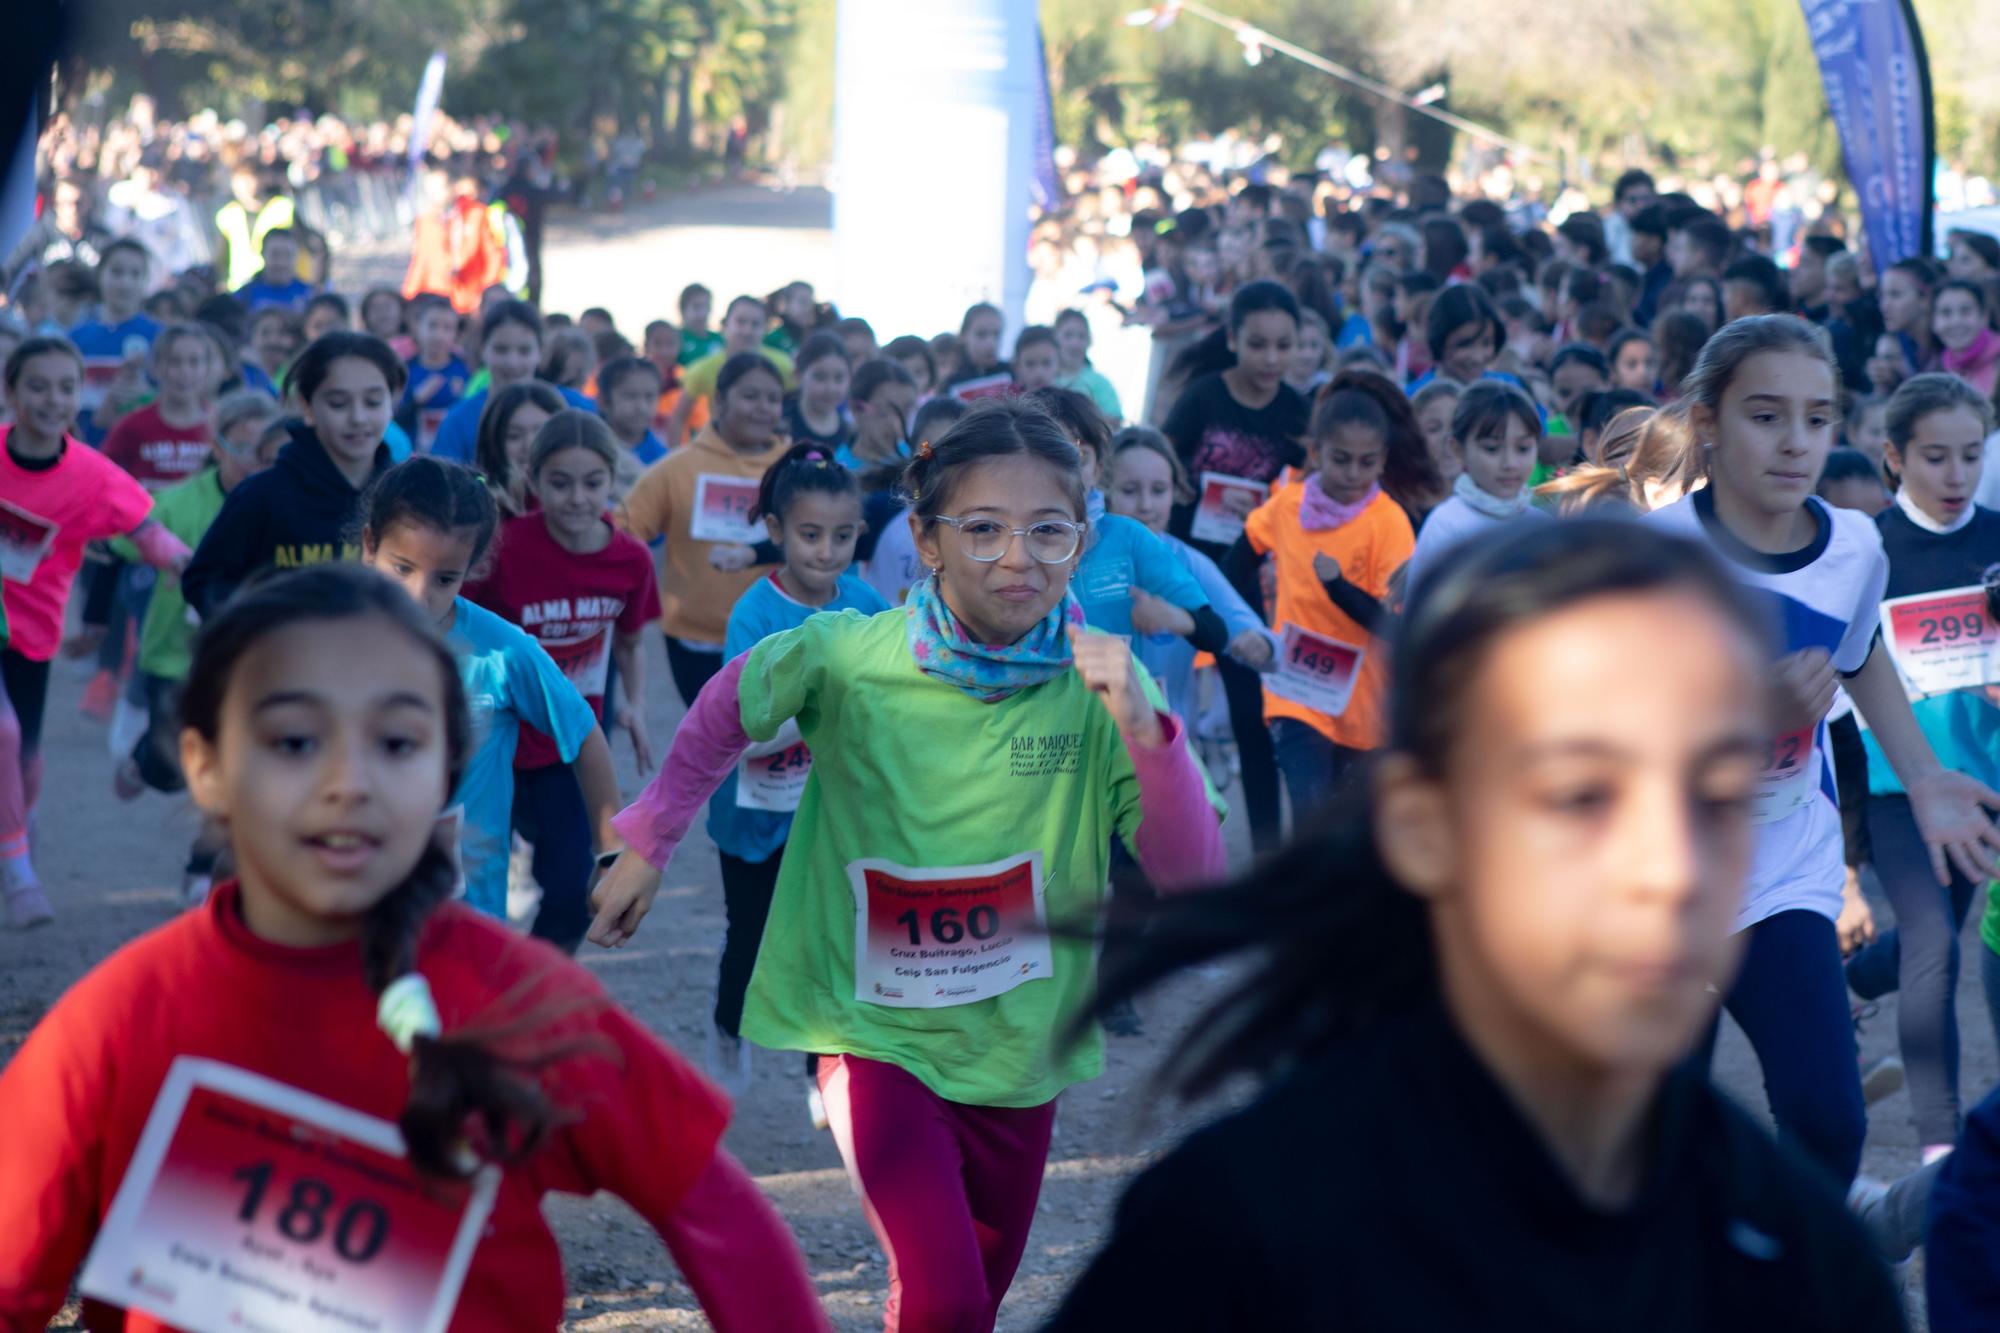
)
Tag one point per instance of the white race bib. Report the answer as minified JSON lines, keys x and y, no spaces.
{"x":1216,"y":521}
{"x":772,"y":774}
{"x":1942,"y":641}
{"x":250,"y":1204}
{"x":1788,"y":779}
{"x":1315,"y":671}
{"x":937,"y":937}
{"x":722,"y":508}
{"x":25,"y":539}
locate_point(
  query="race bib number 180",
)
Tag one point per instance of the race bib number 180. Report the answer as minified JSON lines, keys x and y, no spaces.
{"x":935,"y":937}
{"x":250,"y":1204}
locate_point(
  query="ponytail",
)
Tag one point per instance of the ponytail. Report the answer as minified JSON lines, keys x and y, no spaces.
{"x":454,"y":1077}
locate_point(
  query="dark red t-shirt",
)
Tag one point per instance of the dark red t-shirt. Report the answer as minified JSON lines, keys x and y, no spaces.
{"x":572,"y":604}
{"x":156,"y":454}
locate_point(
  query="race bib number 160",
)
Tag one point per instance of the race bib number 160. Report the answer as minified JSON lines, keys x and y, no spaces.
{"x":939,"y":936}
{"x":249,"y":1204}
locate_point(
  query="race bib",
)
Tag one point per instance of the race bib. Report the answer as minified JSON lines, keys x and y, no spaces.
{"x":250,"y":1204}
{"x":1788,"y":780}
{"x":772,"y":775}
{"x":722,"y":508}
{"x":1315,"y":671}
{"x":1214,"y":520}
{"x":1942,"y":641}
{"x":25,"y":539}
{"x":986,"y":386}
{"x":932,"y":938}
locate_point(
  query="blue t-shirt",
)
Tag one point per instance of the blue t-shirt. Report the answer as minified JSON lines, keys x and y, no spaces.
{"x":445,"y":385}
{"x":765,"y":609}
{"x":509,"y":679}
{"x":458,"y":437}
{"x":853,"y":462}
{"x":103,"y":348}
{"x":649,"y":450}
{"x":1123,"y":555}
{"x":255,"y":378}
{"x":1169,"y":657}
{"x":258,"y":294}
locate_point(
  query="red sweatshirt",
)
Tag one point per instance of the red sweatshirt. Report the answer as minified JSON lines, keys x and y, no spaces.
{"x":644,"y":1126}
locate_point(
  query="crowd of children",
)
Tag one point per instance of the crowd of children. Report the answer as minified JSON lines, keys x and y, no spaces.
{"x":971,"y":654}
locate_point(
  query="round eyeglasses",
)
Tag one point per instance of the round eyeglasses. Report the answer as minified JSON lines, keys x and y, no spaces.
{"x":984,"y":539}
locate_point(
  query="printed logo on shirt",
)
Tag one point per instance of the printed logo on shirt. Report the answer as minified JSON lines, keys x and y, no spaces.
{"x":1045,"y":756}
{"x":298,"y":555}
{"x":1235,"y":454}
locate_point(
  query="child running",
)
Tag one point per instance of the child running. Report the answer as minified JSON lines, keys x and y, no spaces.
{"x":1337,"y":538}
{"x":1762,"y":401}
{"x":888,"y":553}
{"x":817,"y":413}
{"x":699,"y":498}
{"x":1472,"y":988}
{"x":248,"y":435}
{"x":299,"y":511}
{"x":812,"y":508}
{"x":1495,"y":434}
{"x":56,"y":495}
{"x":343,"y":1022}
{"x":427,"y":524}
{"x":1942,"y":550}
{"x":1143,"y":482}
{"x":437,"y":375}
{"x":507,"y":429}
{"x":510,"y":348}
{"x":973,"y":753}
{"x":628,"y":392}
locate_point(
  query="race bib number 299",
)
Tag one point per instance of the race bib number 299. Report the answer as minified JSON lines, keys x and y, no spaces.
{"x":940,"y":936}
{"x":249,"y":1204}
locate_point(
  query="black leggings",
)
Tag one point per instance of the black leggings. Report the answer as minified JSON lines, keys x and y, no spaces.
{"x":549,"y":812}
{"x":1919,"y":958}
{"x":1244,"y":690}
{"x":747,"y":887}
{"x":691,"y":670}
{"x":27,"y":688}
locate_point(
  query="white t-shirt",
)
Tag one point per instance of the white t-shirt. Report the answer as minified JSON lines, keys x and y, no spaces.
{"x":1826,"y":595}
{"x":1449,"y":524}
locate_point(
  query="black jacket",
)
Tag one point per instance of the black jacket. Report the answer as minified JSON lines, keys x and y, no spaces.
{"x":1391,"y":1184}
{"x":297,"y":512}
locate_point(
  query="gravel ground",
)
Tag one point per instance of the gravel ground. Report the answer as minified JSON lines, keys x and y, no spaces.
{"x":111,"y":870}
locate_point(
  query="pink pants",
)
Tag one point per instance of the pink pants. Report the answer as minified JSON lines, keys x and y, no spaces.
{"x":950,"y":1189}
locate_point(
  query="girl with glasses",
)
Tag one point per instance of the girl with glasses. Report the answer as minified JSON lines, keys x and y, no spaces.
{"x":974,"y":752}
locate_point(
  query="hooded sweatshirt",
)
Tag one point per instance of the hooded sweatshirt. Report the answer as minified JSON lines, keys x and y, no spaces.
{"x":295,"y":513}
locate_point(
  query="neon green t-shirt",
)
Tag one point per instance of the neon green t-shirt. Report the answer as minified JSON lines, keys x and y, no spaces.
{"x":929,"y":826}
{"x":166,"y":638}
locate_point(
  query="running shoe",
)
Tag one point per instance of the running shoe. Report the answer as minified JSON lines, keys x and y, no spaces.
{"x":816,"y":1106}
{"x":1880,"y":1078}
{"x":727,"y":1060}
{"x":126,"y":783}
{"x":100,"y":697}
{"x":1122,"y":1020}
{"x":27,"y":908}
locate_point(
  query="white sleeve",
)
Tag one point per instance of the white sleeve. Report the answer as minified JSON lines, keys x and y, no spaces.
{"x":1852,"y":654}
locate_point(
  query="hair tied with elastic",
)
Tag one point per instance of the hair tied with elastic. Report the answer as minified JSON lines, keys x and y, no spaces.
{"x":924,"y":449}
{"x":406,"y":1011}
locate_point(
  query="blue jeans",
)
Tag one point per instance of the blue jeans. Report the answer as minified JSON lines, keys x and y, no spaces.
{"x":1790,"y":999}
{"x":1313,"y":765}
{"x":549,"y":812}
{"x":1919,"y":957}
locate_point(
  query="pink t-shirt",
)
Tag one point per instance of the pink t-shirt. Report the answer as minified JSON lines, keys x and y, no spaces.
{"x":46,"y":519}
{"x":572,"y":604}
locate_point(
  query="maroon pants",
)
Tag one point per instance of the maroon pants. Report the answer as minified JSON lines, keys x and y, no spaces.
{"x":949,"y":1188}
